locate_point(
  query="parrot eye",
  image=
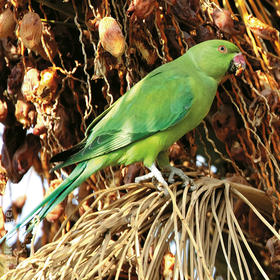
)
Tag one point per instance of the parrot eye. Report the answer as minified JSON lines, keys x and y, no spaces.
{"x":222,"y":49}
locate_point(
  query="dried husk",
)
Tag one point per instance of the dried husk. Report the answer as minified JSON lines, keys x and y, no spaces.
{"x":25,"y":113}
{"x":30,"y":84}
{"x":224,"y":21}
{"x":24,"y":156}
{"x":11,"y":49}
{"x":40,"y":87}
{"x":13,"y":138}
{"x":111,"y":37}
{"x":47,"y":89}
{"x":141,"y":8}
{"x":7,"y":24}
{"x":30,"y":30}
{"x":15,"y":78}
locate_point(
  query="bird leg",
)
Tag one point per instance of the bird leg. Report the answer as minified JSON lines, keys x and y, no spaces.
{"x":176,"y":171}
{"x":154,"y":173}
{"x":172,"y":172}
{"x":163,"y":161}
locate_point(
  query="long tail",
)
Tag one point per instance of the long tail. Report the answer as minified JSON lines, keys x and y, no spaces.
{"x":81,"y":172}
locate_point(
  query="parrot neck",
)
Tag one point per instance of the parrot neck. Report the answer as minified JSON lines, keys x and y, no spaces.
{"x":201,"y":66}
{"x":194,"y":62}
{"x":198,"y":69}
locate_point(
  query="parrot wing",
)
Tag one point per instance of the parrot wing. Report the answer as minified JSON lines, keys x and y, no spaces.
{"x":154,"y":104}
{"x":79,"y":146}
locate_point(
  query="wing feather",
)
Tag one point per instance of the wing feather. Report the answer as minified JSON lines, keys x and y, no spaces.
{"x":154,"y":104}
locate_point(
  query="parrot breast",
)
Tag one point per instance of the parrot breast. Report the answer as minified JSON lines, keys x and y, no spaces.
{"x":147,"y":149}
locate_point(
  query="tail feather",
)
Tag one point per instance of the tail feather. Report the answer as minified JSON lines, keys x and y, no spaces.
{"x":80,"y":173}
{"x":58,"y":195}
{"x":66,"y":154}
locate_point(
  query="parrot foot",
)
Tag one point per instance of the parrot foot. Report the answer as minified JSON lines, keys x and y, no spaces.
{"x":154,"y":173}
{"x":186,"y":179}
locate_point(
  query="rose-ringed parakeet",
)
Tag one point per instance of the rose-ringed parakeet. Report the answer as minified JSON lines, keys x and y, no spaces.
{"x":142,"y":124}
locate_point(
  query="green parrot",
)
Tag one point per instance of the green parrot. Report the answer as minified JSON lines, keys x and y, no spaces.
{"x":142,"y":124}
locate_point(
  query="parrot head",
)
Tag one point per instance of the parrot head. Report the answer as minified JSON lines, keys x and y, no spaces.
{"x":218,"y":57}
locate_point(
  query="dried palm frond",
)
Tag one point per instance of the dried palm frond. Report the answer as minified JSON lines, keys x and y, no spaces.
{"x":134,"y":233}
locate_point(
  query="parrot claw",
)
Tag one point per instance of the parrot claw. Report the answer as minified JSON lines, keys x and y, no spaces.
{"x":186,"y":179}
{"x":144,"y":177}
{"x":155,"y":173}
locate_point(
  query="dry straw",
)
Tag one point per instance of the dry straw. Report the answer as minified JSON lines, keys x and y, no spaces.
{"x":129,"y":238}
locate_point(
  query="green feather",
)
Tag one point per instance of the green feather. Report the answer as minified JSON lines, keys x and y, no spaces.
{"x":129,"y":122}
{"x":152,"y":115}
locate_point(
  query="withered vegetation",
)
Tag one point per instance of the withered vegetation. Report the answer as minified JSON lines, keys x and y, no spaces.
{"x":64,"y":62}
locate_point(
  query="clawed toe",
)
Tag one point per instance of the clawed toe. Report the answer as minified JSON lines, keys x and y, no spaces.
{"x":171,"y":180}
{"x":191,"y":184}
{"x":186,"y":180}
{"x":155,"y":173}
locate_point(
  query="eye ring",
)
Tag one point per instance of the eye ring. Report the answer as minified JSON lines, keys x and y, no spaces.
{"x":222,"y":49}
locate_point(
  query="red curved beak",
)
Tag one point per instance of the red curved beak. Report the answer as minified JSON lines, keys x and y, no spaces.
{"x":238,"y":64}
